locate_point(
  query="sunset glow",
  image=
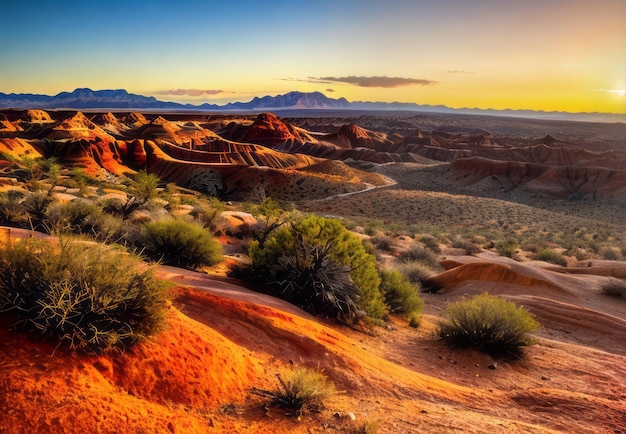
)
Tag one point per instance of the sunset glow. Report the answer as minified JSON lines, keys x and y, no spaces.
{"x":536,"y":55}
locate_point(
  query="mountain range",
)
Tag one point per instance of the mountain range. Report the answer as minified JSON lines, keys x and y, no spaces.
{"x":84,"y":98}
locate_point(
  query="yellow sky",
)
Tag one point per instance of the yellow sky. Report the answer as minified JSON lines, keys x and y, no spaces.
{"x":565,"y":55}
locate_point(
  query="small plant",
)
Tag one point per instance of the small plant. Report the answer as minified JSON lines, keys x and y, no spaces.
{"x":610,"y":254}
{"x":415,"y":272}
{"x":367,"y":428}
{"x":551,"y":256}
{"x":382,"y":242}
{"x":470,"y":247}
{"x":179,"y":242}
{"x":491,"y":324}
{"x":615,"y":288}
{"x":401,"y":295}
{"x":87,"y":298}
{"x":419,"y":253}
{"x":507,"y":247}
{"x":431,"y":243}
{"x":299,"y":391}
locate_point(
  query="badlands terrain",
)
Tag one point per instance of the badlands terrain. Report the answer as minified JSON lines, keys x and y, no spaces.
{"x":485,"y":194}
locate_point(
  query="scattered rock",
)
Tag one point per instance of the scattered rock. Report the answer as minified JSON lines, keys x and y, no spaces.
{"x":544,"y":378}
{"x":493,"y":366}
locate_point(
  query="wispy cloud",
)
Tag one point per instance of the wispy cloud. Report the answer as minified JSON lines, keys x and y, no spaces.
{"x":459,"y":71}
{"x":330,"y":90}
{"x":363,"y":81}
{"x":189,"y":92}
{"x":378,"y":81}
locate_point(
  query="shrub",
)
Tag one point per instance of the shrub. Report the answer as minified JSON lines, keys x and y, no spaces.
{"x":610,"y":254}
{"x":615,"y":288}
{"x":491,"y":324}
{"x":82,"y":216}
{"x":401,"y":295}
{"x":430,"y":242}
{"x":180,"y":243}
{"x":551,"y":256}
{"x":419,"y":253}
{"x":87,"y":297}
{"x":415,"y":272}
{"x":507,"y":247}
{"x":144,"y":186}
{"x":382,"y":242}
{"x":469,"y":246}
{"x":299,"y":390}
{"x":312,"y":245}
{"x":12,"y":210}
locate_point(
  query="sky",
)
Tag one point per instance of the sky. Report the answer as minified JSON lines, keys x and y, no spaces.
{"x":552,"y":55}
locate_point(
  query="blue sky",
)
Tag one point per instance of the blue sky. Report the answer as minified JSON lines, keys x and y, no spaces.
{"x":538,"y":54}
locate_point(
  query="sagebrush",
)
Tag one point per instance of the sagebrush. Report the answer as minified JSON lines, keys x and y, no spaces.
{"x":491,"y":324}
{"x":85,"y":297}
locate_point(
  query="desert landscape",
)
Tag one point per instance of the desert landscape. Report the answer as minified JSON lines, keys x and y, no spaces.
{"x":530,"y":211}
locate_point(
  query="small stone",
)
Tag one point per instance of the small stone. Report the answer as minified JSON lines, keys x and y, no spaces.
{"x":544,"y":378}
{"x":352,"y":416}
{"x":493,"y":366}
{"x":423,"y":412}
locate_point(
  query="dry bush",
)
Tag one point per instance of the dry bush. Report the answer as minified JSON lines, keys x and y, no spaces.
{"x":179,"y":242}
{"x":470,"y":247}
{"x":551,"y":256}
{"x":615,"y":288}
{"x":419,"y":253}
{"x":491,"y":324}
{"x":85,"y":297}
{"x":415,"y":272}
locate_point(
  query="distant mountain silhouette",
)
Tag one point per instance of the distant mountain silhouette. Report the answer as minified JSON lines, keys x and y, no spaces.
{"x":84,"y":98}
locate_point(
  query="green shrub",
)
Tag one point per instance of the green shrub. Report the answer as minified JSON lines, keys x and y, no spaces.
{"x":610,"y":255}
{"x":415,"y":272}
{"x":551,"y":256}
{"x":84,"y":217}
{"x":470,"y":247}
{"x":311,"y":245}
{"x":382,"y":242}
{"x":299,"y":391}
{"x":491,"y":324}
{"x":419,"y":253}
{"x":615,"y":288}
{"x":12,"y":210}
{"x":401,"y":295}
{"x":507,"y":247}
{"x":179,"y":242}
{"x":431,"y":243}
{"x":87,"y":297}
{"x":144,"y":186}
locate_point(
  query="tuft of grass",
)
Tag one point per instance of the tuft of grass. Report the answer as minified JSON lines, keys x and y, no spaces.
{"x":298,"y":391}
{"x":491,"y":324}
{"x":85,"y":297}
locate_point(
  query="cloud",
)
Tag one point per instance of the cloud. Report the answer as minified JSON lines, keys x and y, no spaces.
{"x":189,"y":92}
{"x":330,"y":90}
{"x":375,"y":81}
{"x":459,"y":71}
